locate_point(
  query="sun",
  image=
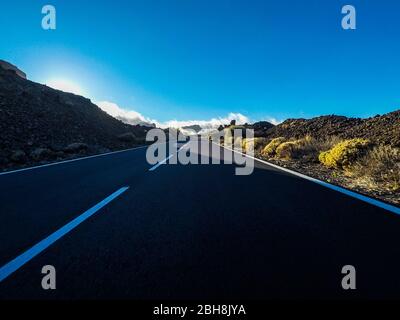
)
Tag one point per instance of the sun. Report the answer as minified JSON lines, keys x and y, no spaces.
{"x":66,"y":86}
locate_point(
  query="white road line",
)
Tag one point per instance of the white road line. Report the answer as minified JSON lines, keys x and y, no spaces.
{"x":166,"y":159}
{"x":347,"y":192}
{"x":28,"y":255}
{"x":72,"y":160}
{"x":161,"y":162}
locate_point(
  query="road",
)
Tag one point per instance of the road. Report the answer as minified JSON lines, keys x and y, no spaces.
{"x":192,"y":232}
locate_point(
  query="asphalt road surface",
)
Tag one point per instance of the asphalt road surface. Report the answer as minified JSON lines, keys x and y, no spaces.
{"x":190,"y":232}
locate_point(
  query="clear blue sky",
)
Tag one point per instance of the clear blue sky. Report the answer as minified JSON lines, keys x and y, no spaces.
{"x":198,"y":59}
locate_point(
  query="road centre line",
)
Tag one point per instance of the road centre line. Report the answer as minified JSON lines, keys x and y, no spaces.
{"x":161,"y":162}
{"x":25,"y":257}
{"x":166,"y":159}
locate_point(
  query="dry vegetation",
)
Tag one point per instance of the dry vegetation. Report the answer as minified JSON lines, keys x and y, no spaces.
{"x":366,"y":166}
{"x":380,"y":167}
{"x":359,"y":154}
{"x":344,"y":154}
{"x":248,"y":145}
{"x":307,"y":148}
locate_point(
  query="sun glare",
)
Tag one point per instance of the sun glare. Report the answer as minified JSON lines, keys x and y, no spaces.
{"x":66,"y":86}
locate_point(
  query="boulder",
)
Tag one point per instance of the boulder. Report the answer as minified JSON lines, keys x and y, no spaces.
{"x":8,"y":66}
{"x":41,"y":154}
{"x":76,"y":147}
{"x":59,"y":154}
{"x":127,"y":137}
{"x":18,"y":156}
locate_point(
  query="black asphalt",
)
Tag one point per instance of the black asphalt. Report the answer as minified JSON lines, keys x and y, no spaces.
{"x":193,"y":232}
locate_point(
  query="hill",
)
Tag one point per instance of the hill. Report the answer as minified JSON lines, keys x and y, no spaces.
{"x":194,"y":128}
{"x":383,"y":129}
{"x":38,"y":123}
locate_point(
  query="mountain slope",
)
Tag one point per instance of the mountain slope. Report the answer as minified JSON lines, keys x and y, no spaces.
{"x":381,"y":129}
{"x":34,"y":117}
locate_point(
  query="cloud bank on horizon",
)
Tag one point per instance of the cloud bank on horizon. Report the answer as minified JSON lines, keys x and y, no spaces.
{"x":135,"y":118}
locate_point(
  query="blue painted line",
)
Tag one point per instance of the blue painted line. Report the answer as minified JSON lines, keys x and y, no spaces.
{"x":28,"y":255}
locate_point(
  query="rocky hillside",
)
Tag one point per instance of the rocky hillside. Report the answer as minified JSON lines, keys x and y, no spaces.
{"x":38,"y":124}
{"x":383,"y":129}
{"x":260,"y":127}
{"x":8,"y":66}
{"x":194,"y":128}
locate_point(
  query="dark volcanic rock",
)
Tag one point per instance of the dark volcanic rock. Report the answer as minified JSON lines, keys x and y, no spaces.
{"x":127,"y":137}
{"x":196,"y":128}
{"x":40,"y":154}
{"x":35,"y":116}
{"x":382,"y":129}
{"x":260,"y":127}
{"x":8,"y":66}
{"x":76,"y":147}
{"x":18,"y":156}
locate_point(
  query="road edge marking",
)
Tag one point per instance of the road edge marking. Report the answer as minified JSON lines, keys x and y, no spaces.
{"x":15,"y":264}
{"x":70,"y":160}
{"x":353,"y":194}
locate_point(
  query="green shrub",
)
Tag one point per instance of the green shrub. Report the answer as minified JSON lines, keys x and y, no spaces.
{"x":344,"y":154}
{"x":270,"y":148}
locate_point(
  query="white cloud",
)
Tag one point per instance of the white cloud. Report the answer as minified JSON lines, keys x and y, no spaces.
{"x":135,"y":118}
{"x":213,"y":123}
{"x":127,"y":116}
